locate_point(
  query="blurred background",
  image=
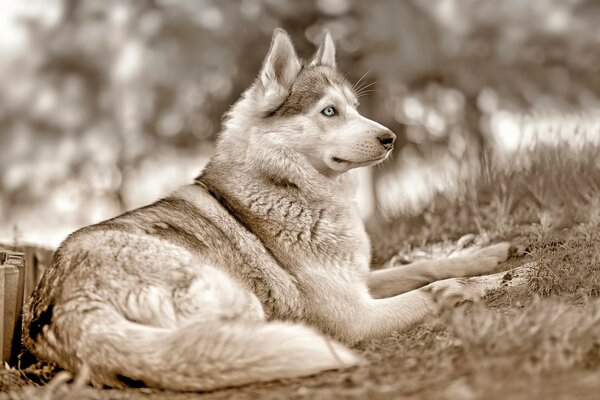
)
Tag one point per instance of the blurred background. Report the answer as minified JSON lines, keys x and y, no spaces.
{"x":106,"y":105}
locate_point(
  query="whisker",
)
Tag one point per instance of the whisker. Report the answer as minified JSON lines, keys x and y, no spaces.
{"x":358,"y":89}
{"x":361,"y":94}
{"x":363,"y":87}
{"x":366,"y":88}
{"x":361,"y":78}
{"x":363,"y":90}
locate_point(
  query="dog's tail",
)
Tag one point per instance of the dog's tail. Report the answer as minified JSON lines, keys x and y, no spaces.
{"x":205,"y":356}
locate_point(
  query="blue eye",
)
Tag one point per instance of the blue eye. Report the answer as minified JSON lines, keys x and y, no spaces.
{"x":329,"y":111}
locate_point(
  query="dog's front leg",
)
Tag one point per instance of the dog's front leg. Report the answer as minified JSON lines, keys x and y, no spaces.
{"x":363,"y":317}
{"x":393,"y":281}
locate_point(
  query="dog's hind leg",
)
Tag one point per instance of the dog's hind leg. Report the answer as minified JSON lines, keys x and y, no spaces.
{"x":392,"y":281}
{"x":205,"y":335}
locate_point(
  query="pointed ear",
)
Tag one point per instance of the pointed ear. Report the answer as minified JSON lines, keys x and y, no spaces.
{"x":282,"y":65}
{"x":326,"y":52}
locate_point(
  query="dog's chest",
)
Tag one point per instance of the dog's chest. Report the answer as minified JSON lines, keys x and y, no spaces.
{"x":331,"y":232}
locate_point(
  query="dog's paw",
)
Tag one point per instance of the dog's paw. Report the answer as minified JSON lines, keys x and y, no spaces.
{"x":449,"y":292}
{"x":465,"y":241}
{"x":483,"y":261}
{"x":497,"y":253}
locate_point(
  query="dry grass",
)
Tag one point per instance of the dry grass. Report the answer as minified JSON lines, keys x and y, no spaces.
{"x":542,"y":337}
{"x":521,"y":197}
{"x":548,"y":203}
{"x":537,"y":340}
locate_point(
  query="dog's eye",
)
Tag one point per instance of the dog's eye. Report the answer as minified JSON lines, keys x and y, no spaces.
{"x":329,"y":111}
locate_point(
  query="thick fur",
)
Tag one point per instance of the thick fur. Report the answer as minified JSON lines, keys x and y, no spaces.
{"x":256,"y":271}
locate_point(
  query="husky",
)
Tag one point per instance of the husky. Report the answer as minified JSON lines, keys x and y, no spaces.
{"x":256,"y":271}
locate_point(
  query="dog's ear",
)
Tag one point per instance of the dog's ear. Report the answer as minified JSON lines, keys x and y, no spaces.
{"x":326,"y":52}
{"x":282,"y":65}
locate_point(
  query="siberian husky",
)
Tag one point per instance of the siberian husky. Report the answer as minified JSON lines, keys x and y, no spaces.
{"x":259,"y":269}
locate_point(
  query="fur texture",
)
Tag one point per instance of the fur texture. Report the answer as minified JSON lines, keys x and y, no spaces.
{"x":256,"y":271}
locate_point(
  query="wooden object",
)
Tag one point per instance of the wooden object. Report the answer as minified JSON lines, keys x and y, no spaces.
{"x":12,"y":281}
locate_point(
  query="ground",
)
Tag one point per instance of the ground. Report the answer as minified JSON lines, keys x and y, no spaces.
{"x":540,"y":339}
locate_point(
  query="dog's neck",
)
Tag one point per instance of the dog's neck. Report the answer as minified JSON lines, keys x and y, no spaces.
{"x":238,"y":161}
{"x":287,"y":203}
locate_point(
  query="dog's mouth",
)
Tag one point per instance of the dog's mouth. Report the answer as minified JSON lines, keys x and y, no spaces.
{"x":339,"y":160}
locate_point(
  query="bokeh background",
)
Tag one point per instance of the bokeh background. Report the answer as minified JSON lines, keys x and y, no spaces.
{"x":106,"y":105}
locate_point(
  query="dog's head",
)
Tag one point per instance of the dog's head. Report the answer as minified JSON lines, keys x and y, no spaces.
{"x":310,"y":109}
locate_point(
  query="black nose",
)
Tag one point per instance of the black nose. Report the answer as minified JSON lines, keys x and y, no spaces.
{"x":387,"y":139}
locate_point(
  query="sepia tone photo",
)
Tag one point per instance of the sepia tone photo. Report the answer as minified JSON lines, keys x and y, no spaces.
{"x":277,"y":199}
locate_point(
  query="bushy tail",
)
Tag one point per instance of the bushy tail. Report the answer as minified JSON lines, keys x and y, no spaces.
{"x":207,"y":356}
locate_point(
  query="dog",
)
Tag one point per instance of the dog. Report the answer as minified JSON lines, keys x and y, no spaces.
{"x":256,"y":271}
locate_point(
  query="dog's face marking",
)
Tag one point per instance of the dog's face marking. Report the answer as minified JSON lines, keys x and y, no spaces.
{"x":338,"y":142}
{"x":332,"y":134}
{"x":309,"y":87}
{"x":291,"y":99}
